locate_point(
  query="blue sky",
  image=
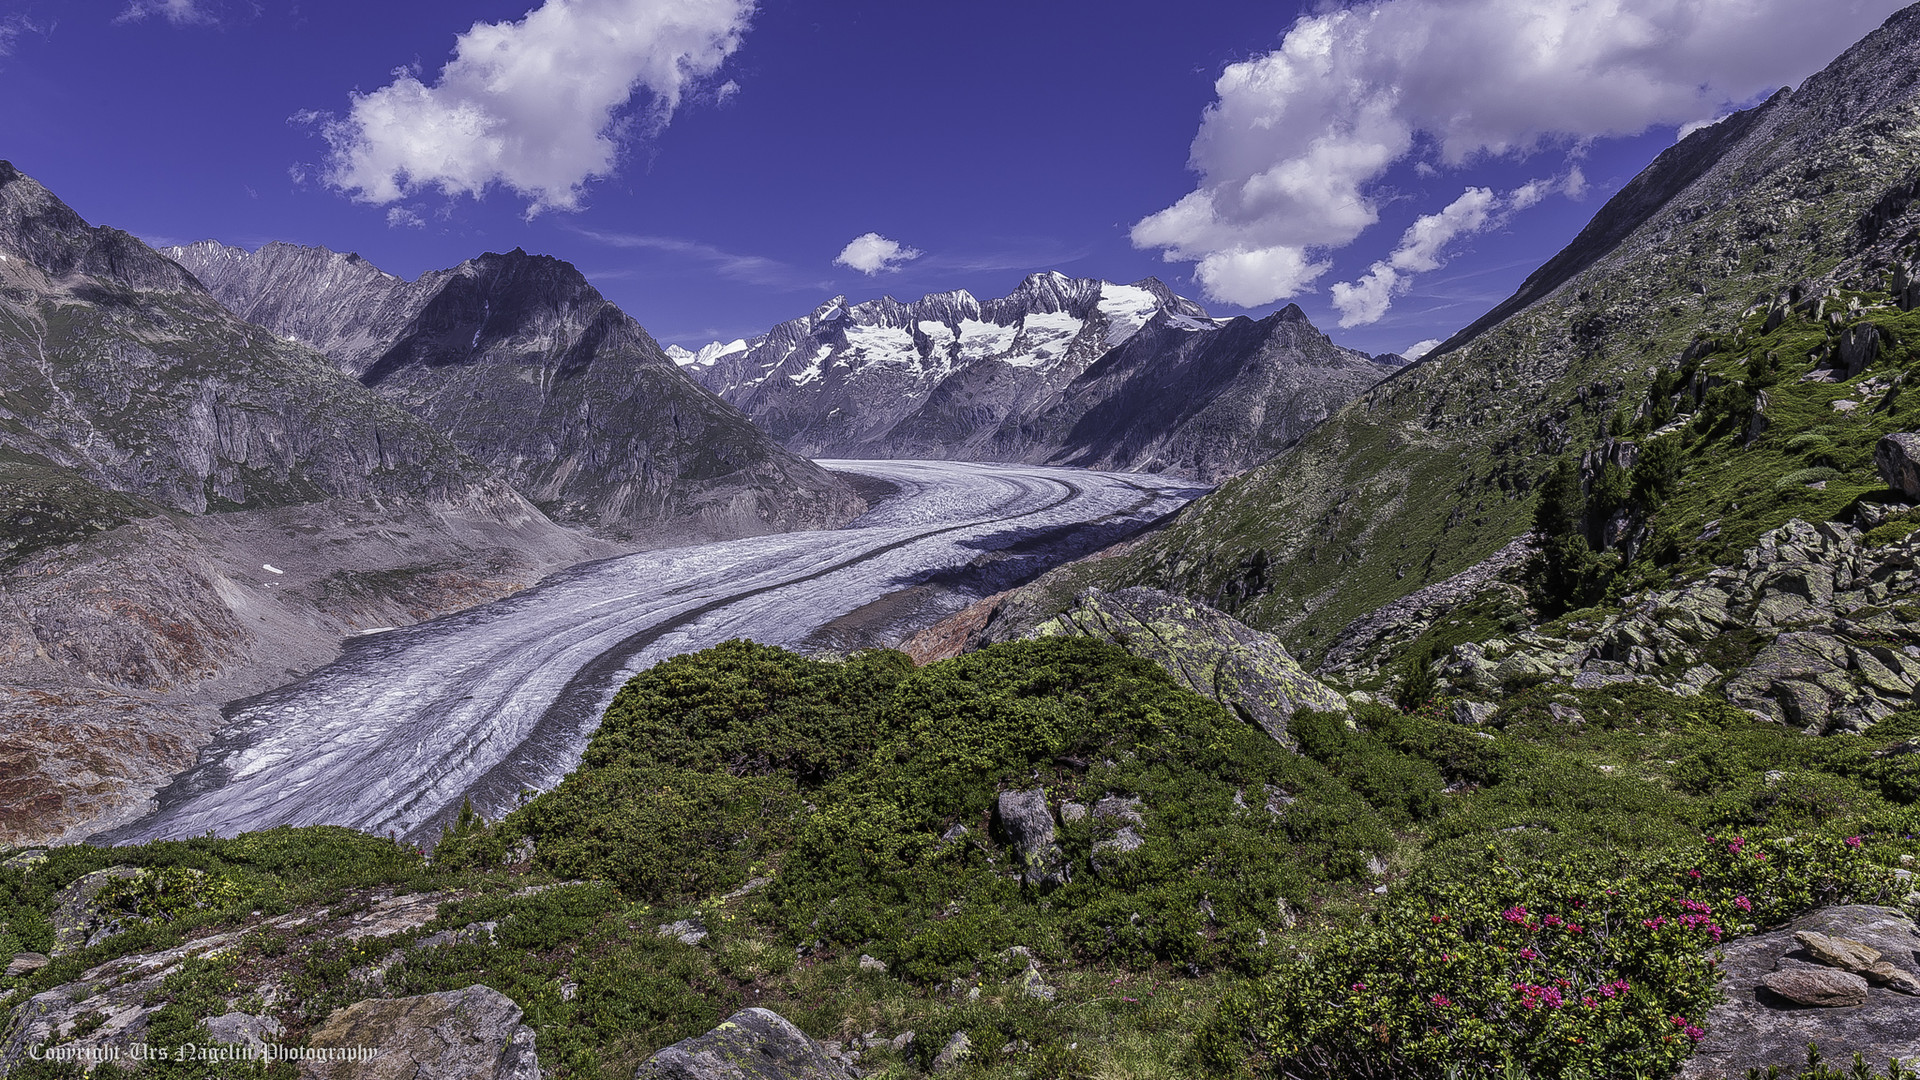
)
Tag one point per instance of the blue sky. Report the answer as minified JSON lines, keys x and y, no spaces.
{"x":1395,"y":167}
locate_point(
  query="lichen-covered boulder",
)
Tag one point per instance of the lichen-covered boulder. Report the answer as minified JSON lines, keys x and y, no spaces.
{"x":471,"y":1034}
{"x":77,"y":920}
{"x":1780,"y":996}
{"x":1026,"y":825}
{"x":1898,"y":459}
{"x":752,"y":1044}
{"x":1207,"y":651}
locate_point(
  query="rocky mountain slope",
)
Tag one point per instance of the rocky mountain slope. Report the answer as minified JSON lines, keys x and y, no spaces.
{"x":535,"y":375}
{"x":195,"y":509}
{"x":1064,"y":370}
{"x":1774,"y":247}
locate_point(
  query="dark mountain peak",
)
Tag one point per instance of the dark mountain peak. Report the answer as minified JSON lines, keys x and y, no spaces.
{"x":37,"y":225}
{"x":834,"y":310}
{"x":1292,"y":313}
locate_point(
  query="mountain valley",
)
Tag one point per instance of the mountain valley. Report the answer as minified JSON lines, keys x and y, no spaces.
{"x":1544,"y":708}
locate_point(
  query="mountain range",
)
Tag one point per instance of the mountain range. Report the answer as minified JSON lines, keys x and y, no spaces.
{"x":1065,"y":371}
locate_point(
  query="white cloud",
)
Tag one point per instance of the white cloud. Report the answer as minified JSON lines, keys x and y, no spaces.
{"x":12,"y":26}
{"x":1423,"y":246}
{"x":1420,"y":348}
{"x":1288,"y":153}
{"x":1697,"y":125}
{"x":177,"y":12}
{"x":871,"y":253}
{"x":537,"y":105}
{"x":402,"y":218}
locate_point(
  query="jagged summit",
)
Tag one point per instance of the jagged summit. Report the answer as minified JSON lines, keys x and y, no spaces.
{"x":522,"y":362}
{"x":1062,"y":369}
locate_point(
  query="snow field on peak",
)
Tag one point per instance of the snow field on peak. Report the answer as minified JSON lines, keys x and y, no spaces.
{"x":1127,"y":308}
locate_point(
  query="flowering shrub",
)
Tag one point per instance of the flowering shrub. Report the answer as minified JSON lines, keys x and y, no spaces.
{"x":1565,"y":970}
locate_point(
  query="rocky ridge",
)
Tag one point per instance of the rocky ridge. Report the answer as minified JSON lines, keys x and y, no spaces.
{"x":1064,"y":370}
{"x":530,"y":371}
{"x":1432,"y":471}
{"x":1813,"y":628}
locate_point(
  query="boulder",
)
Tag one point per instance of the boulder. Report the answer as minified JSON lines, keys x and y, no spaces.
{"x":1838,"y":952}
{"x":1823,"y":987}
{"x":1898,"y":458}
{"x":752,"y":1044}
{"x":1027,"y":827}
{"x":471,"y":1034}
{"x":1473,"y":713}
{"x":1207,"y":651}
{"x":951,"y":1055}
{"x":77,"y":921}
{"x":1779,"y":997}
{"x":26,"y":963}
{"x":686,"y":931}
{"x":1859,"y":347}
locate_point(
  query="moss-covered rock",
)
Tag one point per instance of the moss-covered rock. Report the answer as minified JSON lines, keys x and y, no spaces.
{"x":1206,"y":651}
{"x":752,"y":1044}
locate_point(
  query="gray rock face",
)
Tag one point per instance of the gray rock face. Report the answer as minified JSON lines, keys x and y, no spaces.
{"x":752,"y":1044}
{"x":1822,"y":604}
{"x":1026,"y":825}
{"x":1065,"y":370}
{"x":471,"y":1034}
{"x":1898,"y":459}
{"x":1779,"y":998}
{"x":529,"y":370}
{"x":1207,"y":651}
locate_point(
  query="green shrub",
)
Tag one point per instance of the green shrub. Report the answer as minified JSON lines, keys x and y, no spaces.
{"x":1567,"y":968}
{"x":1800,"y":478}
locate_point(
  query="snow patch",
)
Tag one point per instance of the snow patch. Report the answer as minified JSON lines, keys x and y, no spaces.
{"x":891,"y":345}
{"x":1048,"y":334}
{"x":708,"y":354}
{"x":1127,"y":308}
{"x":979,"y":340}
{"x":815,"y":369}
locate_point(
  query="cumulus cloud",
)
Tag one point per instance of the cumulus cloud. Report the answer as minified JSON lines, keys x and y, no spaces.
{"x":1289,"y":152}
{"x":871,"y":253}
{"x":1424,"y":245}
{"x":1420,"y":348}
{"x":540,"y":105}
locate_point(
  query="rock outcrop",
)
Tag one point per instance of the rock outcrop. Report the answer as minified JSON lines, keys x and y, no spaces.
{"x":752,"y":1044}
{"x":1206,"y":651}
{"x":1821,"y":614}
{"x":1782,"y":994}
{"x":472,"y":1034}
{"x":114,"y":1003}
